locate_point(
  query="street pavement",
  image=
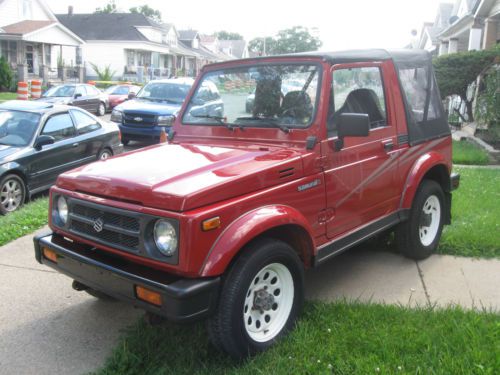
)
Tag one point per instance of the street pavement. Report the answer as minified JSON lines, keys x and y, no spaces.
{"x":48,"y":328}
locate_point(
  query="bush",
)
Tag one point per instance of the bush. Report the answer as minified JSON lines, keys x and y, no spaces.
{"x":5,"y":75}
{"x":488,"y":102}
{"x":105,"y":74}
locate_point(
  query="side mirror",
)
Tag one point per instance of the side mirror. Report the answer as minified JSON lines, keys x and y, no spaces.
{"x":131,"y":95}
{"x":77,"y":96}
{"x":352,"y":125}
{"x":43,"y":140}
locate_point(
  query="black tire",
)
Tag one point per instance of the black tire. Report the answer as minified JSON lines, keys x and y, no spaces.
{"x":412,"y":238}
{"x":12,"y":193}
{"x":125,"y":141}
{"x":101,"y":109}
{"x":105,"y":154}
{"x":99,"y":295}
{"x":227,"y":329}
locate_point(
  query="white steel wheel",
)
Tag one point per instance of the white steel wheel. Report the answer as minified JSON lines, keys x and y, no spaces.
{"x":11,"y":195}
{"x":101,"y":109}
{"x":429,"y":220}
{"x":268,"y":302}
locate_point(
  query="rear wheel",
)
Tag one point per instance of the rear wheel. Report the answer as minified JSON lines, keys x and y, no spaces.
{"x":12,"y":193}
{"x":101,"y":109}
{"x":104,"y":154}
{"x":418,"y":237}
{"x":260,"y":301}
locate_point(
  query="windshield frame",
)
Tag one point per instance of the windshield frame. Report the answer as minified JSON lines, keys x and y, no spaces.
{"x":35,"y":132}
{"x":263,"y":124}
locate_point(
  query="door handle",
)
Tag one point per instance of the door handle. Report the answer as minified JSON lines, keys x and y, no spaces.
{"x":76,"y":144}
{"x":388,"y":145}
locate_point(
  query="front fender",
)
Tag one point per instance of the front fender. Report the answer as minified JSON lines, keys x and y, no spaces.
{"x":245,"y":228}
{"x":417,"y":172}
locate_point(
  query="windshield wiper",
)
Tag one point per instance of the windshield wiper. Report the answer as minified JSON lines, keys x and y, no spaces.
{"x":271,"y":121}
{"x":222,"y":120}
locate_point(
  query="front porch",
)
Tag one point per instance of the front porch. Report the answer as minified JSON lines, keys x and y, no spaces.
{"x":32,"y":51}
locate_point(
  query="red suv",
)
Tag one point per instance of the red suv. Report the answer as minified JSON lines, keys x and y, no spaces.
{"x":221,"y":222}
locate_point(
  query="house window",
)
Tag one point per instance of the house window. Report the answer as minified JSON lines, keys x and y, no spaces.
{"x":4,"y":50}
{"x":78,"y":56}
{"x":13,"y":52}
{"x":48,"y":55}
{"x":130,"y":58}
{"x":27,"y":9}
{"x":164,"y":38}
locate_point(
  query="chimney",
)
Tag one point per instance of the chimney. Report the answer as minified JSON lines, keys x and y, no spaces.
{"x":70,"y":10}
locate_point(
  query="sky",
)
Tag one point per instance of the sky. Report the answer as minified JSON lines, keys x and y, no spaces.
{"x":340,"y":24}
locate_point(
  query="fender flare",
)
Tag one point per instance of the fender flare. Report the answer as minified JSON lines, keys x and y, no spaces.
{"x":417,"y":172}
{"x":247,"y":227}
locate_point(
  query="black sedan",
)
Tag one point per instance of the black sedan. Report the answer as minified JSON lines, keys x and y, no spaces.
{"x":80,"y":95}
{"x":38,"y":141}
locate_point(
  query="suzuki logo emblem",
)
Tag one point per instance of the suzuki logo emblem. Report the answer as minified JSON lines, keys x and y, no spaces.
{"x":98,"y":225}
{"x":138,"y":119}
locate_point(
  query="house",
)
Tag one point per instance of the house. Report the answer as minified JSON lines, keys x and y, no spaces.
{"x":236,"y":48}
{"x":136,"y":47}
{"x":473,"y":25}
{"x":193,"y":40}
{"x":33,"y":42}
{"x":429,"y":35}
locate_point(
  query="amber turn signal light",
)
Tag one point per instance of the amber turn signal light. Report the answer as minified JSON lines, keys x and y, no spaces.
{"x":50,"y":254}
{"x":210,"y":224}
{"x":148,"y":295}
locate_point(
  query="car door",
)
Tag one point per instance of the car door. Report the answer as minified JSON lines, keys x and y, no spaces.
{"x":62,"y":155}
{"x":80,"y":97}
{"x":360,"y":177}
{"x":89,"y":135}
{"x":93,"y":99}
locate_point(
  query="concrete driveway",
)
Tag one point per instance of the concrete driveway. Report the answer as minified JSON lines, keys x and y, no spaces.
{"x":48,"y":328}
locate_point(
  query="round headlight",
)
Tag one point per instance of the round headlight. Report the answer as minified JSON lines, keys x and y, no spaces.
{"x":165,"y":237}
{"x":62,"y":209}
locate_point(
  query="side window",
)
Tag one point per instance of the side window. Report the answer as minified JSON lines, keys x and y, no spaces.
{"x":357,"y":90}
{"x":84,"y":123}
{"x":416,"y":83}
{"x":59,"y":126}
{"x":80,"y":90}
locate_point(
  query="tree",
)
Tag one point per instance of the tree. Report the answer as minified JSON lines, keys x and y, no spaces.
{"x":5,"y":75}
{"x":455,"y":72}
{"x":109,"y":8}
{"x":228,"y":35}
{"x":295,"y":39}
{"x":147,"y":11}
{"x":105,"y":74}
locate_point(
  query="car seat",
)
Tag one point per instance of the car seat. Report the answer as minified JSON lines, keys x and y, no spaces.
{"x":298,"y":106}
{"x":267,"y":98}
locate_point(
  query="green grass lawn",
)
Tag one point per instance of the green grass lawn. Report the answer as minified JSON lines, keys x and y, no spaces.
{"x":29,"y":218}
{"x":465,"y":152}
{"x":7,"y":96}
{"x":338,"y":338}
{"x":475,"y":228}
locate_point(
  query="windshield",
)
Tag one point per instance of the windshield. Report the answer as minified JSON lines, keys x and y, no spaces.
{"x":271,"y":95}
{"x":170,"y":92}
{"x":60,"y":91}
{"x":117,"y":90}
{"x":17,"y":128}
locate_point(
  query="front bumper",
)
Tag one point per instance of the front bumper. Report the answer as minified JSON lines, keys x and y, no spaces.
{"x":139,"y":134}
{"x":454,"y":181}
{"x":182,"y":299}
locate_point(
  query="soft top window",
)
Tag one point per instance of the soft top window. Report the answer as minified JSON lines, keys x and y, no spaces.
{"x":424,"y":110}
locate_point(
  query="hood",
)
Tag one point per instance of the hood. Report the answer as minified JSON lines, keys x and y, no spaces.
{"x":56,"y":99}
{"x":6,"y":151}
{"x":184,"y":177}
{"x":150,"y":107}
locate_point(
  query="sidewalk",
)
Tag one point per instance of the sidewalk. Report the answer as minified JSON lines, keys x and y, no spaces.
{"x":48,"y":328}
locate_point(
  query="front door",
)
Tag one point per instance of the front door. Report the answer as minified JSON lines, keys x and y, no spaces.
{"x":30,"y":58}
{"x":360,"y":178}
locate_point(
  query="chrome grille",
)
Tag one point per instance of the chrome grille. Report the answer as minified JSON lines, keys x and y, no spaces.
{"x":117,"y":229}
{"x":132,"y":119}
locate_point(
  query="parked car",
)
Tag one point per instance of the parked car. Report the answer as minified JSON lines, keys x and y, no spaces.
{"x":157,"y":104}
{"x":221,"y":222}
{"x":117,"y":94}
{"x":81,"y":95}
{"x":38,"y":141}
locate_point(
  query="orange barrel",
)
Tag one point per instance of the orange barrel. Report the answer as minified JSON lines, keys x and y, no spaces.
{"x":91,"y":83}
{"x":22,"y":91}
{"x":36,"y":89}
